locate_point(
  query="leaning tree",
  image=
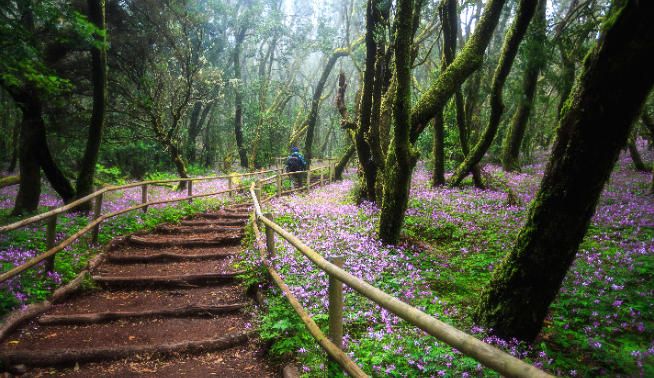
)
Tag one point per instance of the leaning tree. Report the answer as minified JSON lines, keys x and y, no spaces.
{"x":615,"y":80}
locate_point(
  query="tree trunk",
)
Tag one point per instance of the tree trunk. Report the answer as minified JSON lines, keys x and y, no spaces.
{"x":401,"y":157}
{"x":512,"y":41}
{"x":400,"y":160}
{"x":96,"y":9}
{"x":465,"y":63}
{"x":194,"y":129}
{"x":14,"y":147}
{"x":342,"y":162}
{"x":238,"y":99}
{"x":639,"y":165}
{"x":29,"y":190}
{"x":614,"y":83}
{"x":438,"y":150}
{"x":363,"y":147}
{"x":180,"y":165}
{"x":567,"y":79}
{"x":377,"y":136}
{"x":447,"y":12}
{"x":463,"y":128}
{"x":315,"y":103}
{"x":534,"y":45}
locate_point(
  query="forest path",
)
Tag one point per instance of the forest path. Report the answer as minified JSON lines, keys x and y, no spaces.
{"x":167,"y":304}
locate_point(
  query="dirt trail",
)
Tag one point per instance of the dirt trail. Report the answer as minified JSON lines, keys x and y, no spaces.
{"x":168,"y":304}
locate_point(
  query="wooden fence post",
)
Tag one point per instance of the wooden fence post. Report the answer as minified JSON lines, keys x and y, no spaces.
{"x":190,"y":191}
{"x":97,"y":209}
{"x":335,"y":313}
{"x":144,"y":196}
{"x":257,"y":191}
{"x":308,"y":180}
{"x":322,"y":177}
{"x":332,"y":170}
{"x":50,"y":233}
{"x":270,"y":238}
{"x":279,"y":184}
{"x":229,"y":186}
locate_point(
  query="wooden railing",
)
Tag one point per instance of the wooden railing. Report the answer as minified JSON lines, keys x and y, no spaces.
{"x":98,"y":218}
{"x":484,"y":353}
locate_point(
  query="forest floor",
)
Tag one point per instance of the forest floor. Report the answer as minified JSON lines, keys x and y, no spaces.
{"x":601,"y":323}
{"x":164,"y":303}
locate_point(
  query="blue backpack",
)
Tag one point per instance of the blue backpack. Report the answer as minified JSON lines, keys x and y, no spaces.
{"x":294,"y":164}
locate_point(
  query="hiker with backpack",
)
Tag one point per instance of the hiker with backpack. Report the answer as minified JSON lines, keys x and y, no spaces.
{"x":296,"y":163}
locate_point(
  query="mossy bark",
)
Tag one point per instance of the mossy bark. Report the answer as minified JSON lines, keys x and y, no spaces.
{"x":197,"y":122}
{"x":614,"y":83}
{"x":29,"y":190}
{"x":342,"y":162}
{"x":401,"y":157}
{"x":639,"y":165}
{"x":438,"y":150}
{"x":447,"y":13}
{"x":512,"y":41}
{"x":96,"y":9}
{"x":364,"y":147}
{"x":567,"y":78}
{"x":466,"y":62}
{"x":315,"y":102}
{"x":534,"y":46}
{"x":34,"y":153}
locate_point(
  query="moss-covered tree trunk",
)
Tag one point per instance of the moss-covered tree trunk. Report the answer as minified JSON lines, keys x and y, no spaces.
{"x":567,"y":79}
{"x":367,"y":164}
{"x":447,"y":13}
{"x":401,"y":157}
{"x":438,"y":151}
{"x":398,"y":171}
{"x":180,"y":165}
{"x":639,"y":165}
{"x":96,"y":10}
{"x":29,"y":190}
{"x":465,"y":64}
{"x":512,"y":41}
{"x":315,"y":102}
{"x":238,"y":98}
{"x":534,"y":46}
{"x":463,"y":128}
{"x":197,"y":122}
{"x":342,"y":162}
{"x":615,"y":80}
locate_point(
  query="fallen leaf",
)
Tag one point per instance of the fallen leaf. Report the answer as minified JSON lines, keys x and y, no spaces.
{"x":131,"y":337}
{"x":13,"y":342}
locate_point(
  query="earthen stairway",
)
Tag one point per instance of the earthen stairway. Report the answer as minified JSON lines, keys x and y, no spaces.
{"x":167,"y":304}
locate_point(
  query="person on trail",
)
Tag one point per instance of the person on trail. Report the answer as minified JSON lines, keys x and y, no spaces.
{"x":296,"y":163}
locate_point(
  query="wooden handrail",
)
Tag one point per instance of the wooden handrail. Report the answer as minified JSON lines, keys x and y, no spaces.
{"x":76,"y":203}
{"x":486,"y":354}
{"x":332,"y":350}
{"x":54,"y":250}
